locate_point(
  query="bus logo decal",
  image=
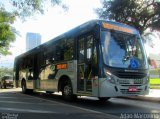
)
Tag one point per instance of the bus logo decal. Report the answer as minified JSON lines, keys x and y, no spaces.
{"x":134,"y":63}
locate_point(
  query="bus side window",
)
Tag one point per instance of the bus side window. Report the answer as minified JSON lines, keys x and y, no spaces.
{"x":59,"y":53}
{"x":68,"y":52}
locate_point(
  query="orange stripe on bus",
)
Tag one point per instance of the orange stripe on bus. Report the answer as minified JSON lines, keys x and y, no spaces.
{"x":61,"y":66}
{"x":118,"y":28}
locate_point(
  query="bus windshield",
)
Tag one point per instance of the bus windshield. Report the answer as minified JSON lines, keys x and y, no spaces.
{"x":123,"y":50}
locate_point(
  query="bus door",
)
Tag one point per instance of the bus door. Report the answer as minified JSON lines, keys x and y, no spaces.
{"x":86,"y":61}
{"x":36,"y":72}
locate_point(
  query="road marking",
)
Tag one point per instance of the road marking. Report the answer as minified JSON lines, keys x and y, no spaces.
{"x":39,"y":98}
{"x":39,"y":103}
{"x":89,"y":110}
{"x":64,"y":104}
{"x":13,"y":98}
{"x":26,"y":110}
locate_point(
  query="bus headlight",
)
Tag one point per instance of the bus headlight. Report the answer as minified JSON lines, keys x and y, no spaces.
{"x":110,"y":78}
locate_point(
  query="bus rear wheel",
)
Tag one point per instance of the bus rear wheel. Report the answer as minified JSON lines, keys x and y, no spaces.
{"x":67,"y":92}
{"x":24,"y":88}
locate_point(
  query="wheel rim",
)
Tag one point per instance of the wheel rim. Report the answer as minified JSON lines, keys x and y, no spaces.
{"x":67,"y":90}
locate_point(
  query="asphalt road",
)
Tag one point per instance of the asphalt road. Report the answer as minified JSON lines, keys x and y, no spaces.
{"x":15,"y":105}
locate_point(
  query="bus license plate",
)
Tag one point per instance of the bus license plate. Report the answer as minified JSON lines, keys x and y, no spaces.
{"x":132,"y":89}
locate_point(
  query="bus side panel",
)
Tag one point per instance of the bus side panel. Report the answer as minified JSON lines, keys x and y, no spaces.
{"x":22,"y":75}
{"x":50,"y":76}
{"x":29,"y":84}
{"x":48,"y":84}
{"x":47,"y":78}
{"x":73,"y":68}
{"x":71,"y":72}
{"x":95,"y":87}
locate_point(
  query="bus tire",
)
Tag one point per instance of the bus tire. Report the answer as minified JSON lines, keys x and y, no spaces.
{"x":103,"y":99}
{"x":24,"y":88}
{"x":67,"y":92}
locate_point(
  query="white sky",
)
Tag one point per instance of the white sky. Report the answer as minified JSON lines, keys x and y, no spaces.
{"x":54,"y":23}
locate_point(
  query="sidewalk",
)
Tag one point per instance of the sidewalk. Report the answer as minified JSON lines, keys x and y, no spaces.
{"x":154,"y":93}
{"x":153,"y":96}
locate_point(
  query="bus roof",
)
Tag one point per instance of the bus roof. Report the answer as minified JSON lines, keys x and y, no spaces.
{"x":83,"y":28}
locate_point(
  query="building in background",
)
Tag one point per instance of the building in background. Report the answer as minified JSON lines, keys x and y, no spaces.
{"x":32,"y":40}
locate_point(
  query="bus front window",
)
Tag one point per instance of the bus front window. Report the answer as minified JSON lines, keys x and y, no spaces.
{"x":123,"y":50}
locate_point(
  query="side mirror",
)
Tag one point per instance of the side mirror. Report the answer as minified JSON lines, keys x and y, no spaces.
{"x":149,"y":61}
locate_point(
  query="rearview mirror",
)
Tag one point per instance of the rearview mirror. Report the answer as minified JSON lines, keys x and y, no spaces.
{"x":149,"y":60}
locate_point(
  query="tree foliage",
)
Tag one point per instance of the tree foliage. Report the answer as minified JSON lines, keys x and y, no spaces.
{"x":141,"y":14}
{"x":7,"y":32}
{"x":25,"y":8}
{"x":22,"y":9}
{"x":6,"y":71}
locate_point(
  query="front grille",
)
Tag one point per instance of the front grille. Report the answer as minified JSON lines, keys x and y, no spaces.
{"x":130,"y":81}
{"x":131,"y":85}
{"x":133,"y":75}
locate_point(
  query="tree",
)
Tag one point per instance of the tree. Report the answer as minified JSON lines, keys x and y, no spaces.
{"x":22,"y":9}
{"x":141,"y":14}
{"x":25,"y":8}
{"x":148,"y":39}
{"x":7,"y":32}
{"x":6,"y":71}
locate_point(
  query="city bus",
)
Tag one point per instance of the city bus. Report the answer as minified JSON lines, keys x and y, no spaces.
{"x":99,"y":58}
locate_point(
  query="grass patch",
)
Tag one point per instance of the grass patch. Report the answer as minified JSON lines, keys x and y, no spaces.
{"x":154,"y":87}
{"x":155,"y":81}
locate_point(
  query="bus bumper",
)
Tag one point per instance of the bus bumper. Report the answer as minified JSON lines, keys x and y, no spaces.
{"x":107,"y":89}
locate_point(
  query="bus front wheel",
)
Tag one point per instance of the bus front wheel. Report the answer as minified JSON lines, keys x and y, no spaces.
{"x":67,"y":92}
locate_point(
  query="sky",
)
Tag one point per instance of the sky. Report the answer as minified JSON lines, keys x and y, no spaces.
{"x":54,"y":22}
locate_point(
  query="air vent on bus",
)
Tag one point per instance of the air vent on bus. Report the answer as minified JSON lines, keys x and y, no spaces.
{"x":133,"y":75}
